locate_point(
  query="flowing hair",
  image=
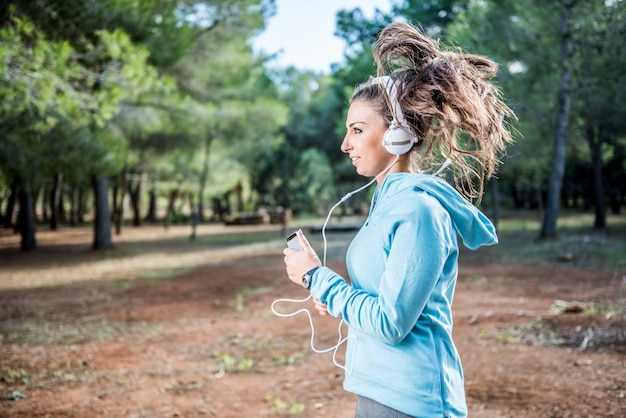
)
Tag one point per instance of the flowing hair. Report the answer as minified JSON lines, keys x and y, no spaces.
{"x":448,"y":101}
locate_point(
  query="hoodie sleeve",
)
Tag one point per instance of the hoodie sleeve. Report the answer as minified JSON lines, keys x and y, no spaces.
{"x":416,"y":249}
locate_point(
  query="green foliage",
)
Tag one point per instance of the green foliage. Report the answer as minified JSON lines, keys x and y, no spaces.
{"x":523,"y":37}
{"x":600,"y":38}
{"x":433,"y":15}
{"x":15,"y":395}
{"x":156,"y":24}
{"x":57,"y":108}
{"x":317,"y":180}
{"x":304,"y":176}
{"x":174,"y":91}
{"x":92,"y":87}
{"x":282,"y":408}
{"x":224,"y":115}
{"x":36,"y":80}
{"x":11,"y":375}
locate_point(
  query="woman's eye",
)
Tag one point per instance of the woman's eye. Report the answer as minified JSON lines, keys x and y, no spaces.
{"x":357,"y":131}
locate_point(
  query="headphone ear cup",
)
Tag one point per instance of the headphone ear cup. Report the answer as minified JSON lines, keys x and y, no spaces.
{"x":397,"y":140}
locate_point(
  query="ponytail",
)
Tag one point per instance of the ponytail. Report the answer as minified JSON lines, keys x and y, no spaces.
{"x":449,"y":102}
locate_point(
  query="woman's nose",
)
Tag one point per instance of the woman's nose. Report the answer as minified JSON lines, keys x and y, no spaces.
{"x":345,"y":145}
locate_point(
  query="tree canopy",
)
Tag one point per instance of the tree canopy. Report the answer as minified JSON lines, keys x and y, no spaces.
{"x":168,"y":99}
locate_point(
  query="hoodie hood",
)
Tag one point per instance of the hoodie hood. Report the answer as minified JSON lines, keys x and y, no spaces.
{"x":474,"y":228}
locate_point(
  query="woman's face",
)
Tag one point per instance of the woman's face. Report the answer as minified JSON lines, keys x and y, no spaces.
{"x":363,"y":140}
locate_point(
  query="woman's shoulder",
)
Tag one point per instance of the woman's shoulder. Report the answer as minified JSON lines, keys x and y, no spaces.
{"x":419,"y":196}
{"x":407,"y":185}
{"x":413,"y":193}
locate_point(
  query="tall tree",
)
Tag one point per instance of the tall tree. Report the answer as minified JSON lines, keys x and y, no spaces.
{"x":599,"y":89}
{"x":548,"y":227}
{"x":240,"y":111}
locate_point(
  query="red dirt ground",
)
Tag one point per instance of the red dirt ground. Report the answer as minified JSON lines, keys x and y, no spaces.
{"x":200,"y":339}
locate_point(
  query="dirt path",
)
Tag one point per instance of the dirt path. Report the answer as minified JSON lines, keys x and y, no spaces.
{"x":205,"y":343}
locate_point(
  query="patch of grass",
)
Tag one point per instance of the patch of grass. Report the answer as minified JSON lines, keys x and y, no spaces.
{"x":181,"y":388}
{"x":239,"y":303}
{"x":534,"y":333}
{"x":11,"y":375}
{"x":242,"y":354}
{"x":576,"y":244}
{"x":14,"y":395}
{"x":16,"y":380}
{"x":283,"y":408}
{"x":227,"y":363}
{"x":581,"y":331}
{"x":50,"y":331}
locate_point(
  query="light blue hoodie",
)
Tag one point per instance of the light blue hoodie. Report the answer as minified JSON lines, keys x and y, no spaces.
{"x":403,"y":268}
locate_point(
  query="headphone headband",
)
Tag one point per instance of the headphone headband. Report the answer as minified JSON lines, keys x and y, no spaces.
{"x":399,"y":138}
{"x":392,"y":93}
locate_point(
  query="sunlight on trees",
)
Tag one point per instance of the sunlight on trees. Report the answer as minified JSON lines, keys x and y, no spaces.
{"x":166,"y":103}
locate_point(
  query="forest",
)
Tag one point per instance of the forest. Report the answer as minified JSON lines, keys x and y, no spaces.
{"x":128,"y":112}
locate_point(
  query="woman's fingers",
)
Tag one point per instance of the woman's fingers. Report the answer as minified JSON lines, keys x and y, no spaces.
{"x":304,"y":243}
{"x":306,"y":247}
{"x":321,"y":308}
{"x":297,"y":263}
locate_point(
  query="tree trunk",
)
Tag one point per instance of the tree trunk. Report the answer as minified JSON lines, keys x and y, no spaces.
{"x":9,"y":219}
{"x":193,"y":219}
{"x":170,"y":207}
{"x":118,"y":202}
{"x":73,"y":206}
{"x":548,"y":229}
{"x":82,"y":205}
{"x":45,"y":205}
{"x":152,"y":205}
{"x":115,"y":206}
{"x":135,"y":200}
{"x":102,"y":221}
{"x":61,"y":205}
{"x":55,"y":200}
{"x":27,"y":218}
{"x":496,"y":202}
{"x":239,"y":196}
{"x":595,"y":147}
{"x":35,"y":197}
{"x":203,"y":177}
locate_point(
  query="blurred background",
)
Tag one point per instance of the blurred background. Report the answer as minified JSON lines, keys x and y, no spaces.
{"x":125,"y":112}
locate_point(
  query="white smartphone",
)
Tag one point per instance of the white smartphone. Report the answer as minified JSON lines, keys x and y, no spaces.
{"x":293,"y":243}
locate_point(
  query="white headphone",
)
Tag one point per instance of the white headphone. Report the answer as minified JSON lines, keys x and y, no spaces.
{"x":398,"y":139}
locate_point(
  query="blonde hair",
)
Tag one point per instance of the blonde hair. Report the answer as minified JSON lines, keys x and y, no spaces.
{"x":448,"y":102}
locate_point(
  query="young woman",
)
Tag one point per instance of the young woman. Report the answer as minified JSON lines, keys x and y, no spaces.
{"x":429,"y":110}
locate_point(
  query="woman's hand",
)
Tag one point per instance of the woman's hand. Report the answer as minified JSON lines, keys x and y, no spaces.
{"x":321,"y":308}
{"x":299,"y":262}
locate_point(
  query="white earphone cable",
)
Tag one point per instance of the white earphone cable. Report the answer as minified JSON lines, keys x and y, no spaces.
{"x":445,"y":164}
{"x":341,"y":339}
{"x":334,"y":348}
{"x":348,"y":196}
